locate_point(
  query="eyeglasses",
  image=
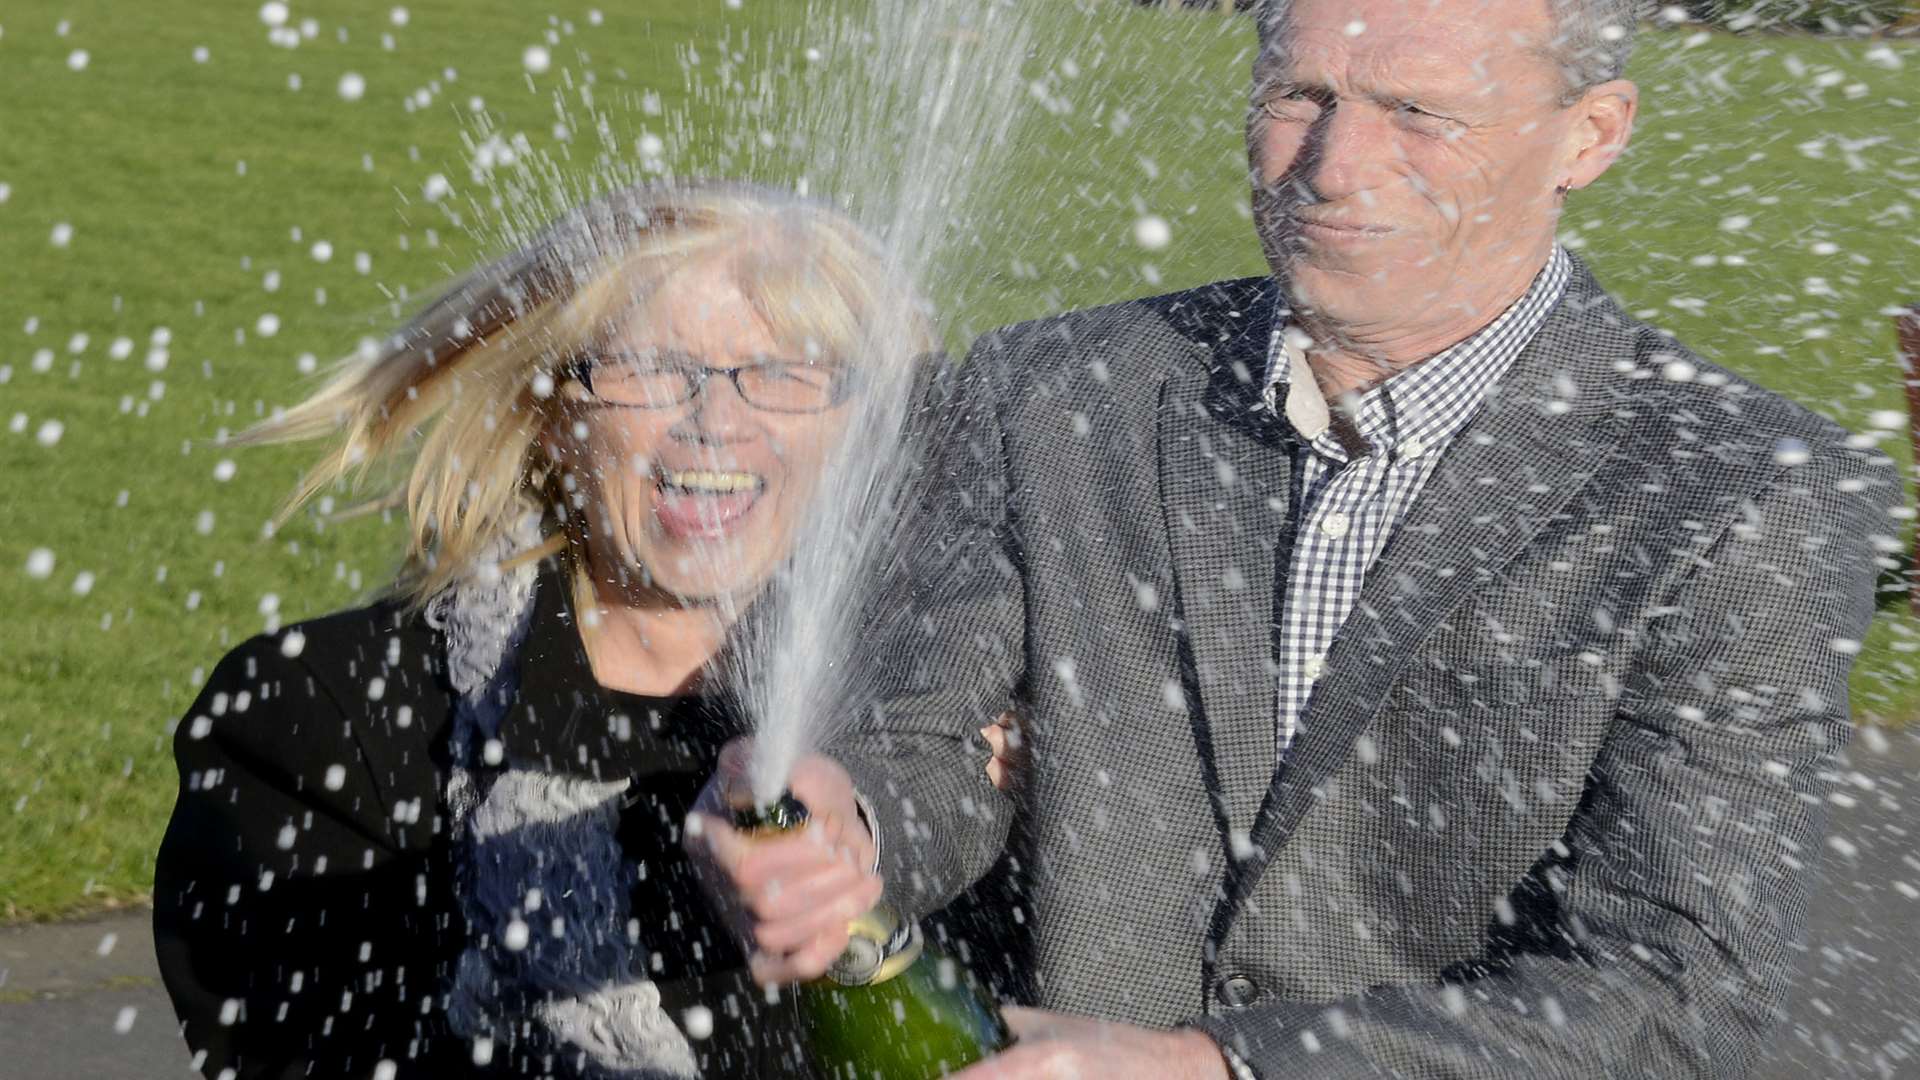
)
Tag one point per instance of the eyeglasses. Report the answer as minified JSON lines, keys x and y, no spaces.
{"x":657,"y":379}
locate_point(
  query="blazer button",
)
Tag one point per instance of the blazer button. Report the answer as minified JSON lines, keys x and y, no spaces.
{"x":1238,"y":991}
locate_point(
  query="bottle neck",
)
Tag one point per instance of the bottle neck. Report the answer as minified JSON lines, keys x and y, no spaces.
{"x":880,"y":943}
{"x":784,"y":814}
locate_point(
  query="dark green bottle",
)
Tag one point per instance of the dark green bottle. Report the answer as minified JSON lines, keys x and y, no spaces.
{"x":892,"y":1007}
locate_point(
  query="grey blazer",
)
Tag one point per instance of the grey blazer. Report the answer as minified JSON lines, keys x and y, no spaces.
{"x":1552,"y":808}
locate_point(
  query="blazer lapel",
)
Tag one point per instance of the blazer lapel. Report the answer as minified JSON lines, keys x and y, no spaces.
{"x":1544,"y":430}
{"x":1224,"y":472}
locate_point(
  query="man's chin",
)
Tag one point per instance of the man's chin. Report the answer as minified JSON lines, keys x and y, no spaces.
{"x":1335,"y":291}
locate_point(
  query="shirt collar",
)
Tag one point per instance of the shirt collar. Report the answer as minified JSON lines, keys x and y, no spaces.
{"x":1419,"y":407}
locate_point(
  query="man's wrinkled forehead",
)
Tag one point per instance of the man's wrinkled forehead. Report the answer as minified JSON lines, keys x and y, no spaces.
{"x":1473,"y":32}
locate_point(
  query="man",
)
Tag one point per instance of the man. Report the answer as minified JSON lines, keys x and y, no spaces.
{"x":1427,"y":667}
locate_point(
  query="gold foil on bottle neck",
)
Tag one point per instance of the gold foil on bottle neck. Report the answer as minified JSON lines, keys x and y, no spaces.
{"x":880,"y":946}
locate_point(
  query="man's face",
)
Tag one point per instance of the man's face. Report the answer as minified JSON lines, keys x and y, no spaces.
{"x":1405,"y":155}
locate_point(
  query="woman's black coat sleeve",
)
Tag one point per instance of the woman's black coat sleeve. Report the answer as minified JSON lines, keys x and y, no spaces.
{"x":299,"y":918}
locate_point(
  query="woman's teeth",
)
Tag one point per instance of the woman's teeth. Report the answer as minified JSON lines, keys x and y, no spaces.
{"x":708,"y":482}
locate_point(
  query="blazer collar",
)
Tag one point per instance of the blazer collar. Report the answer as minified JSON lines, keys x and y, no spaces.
{"x":1224,"y":468}
{"x":1544,"y":430}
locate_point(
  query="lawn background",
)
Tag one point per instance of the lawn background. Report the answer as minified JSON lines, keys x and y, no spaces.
{"x":1765,"y":214}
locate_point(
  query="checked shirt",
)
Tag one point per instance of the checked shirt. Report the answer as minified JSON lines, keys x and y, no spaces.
{"x":1349,"y":498}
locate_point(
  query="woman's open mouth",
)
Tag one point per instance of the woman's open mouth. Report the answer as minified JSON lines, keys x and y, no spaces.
{"x":704,"y":504}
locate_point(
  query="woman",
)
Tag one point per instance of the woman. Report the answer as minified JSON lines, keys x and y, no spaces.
{"x":439,"y":836}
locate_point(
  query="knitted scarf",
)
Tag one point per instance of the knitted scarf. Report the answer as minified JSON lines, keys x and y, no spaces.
{"x":552,"y":973}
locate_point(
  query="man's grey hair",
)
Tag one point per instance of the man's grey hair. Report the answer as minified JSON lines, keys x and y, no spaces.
{"x":1591,"y":42}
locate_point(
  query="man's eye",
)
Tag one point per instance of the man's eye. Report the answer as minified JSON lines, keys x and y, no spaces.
{"x":1289,"y":103}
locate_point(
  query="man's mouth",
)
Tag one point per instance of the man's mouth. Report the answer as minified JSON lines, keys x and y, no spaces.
{"x":704,"y":504}
{"x":1339,"y":231}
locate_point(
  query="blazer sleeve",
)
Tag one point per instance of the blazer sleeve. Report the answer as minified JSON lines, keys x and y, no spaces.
{"x":1687,"y":868}
{"x":294,"y":913}
{"x":943,"y":648}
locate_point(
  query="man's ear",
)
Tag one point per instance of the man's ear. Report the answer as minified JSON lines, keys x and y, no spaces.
{"x":1600,"y":132}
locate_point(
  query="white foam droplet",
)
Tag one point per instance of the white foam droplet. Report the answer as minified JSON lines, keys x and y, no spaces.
{"x":267,"y":325}
{"x":536,"y":59}
{"x":77,"y":60}
{"x":83,"y":583}
{"x":336,"y":777}
{"x":201,"y":54}
{"x":436,"y":188}
{"x":62,"y":235}
{"x":50,"y":432}
{"x":1887,"y":419}
{"x":400,"y":16}
{"x":1152,"y":232}
{"x":516,"y":935}
{"x":223,"y":471}
{"x":353,"y":86}
{"x":123,"y":1021}
{"x":293,"y":644}
{"x":698,"y":1022}
{"x":274,"y":13}
{"x":40,"y":563}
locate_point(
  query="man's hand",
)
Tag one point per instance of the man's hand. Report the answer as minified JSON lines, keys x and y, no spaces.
{"x":788,"y":897}
{"x":1055,"y":1046}
{"x":1007,"y":739}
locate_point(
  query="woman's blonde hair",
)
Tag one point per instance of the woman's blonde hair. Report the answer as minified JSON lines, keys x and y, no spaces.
{"x":454,"y":403}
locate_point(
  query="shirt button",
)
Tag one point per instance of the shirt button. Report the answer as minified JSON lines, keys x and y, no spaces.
{"x":1336,"y":524}
{"x":1238,"y":991}
{"x":1314,"y":667}
{"x":1412,"y":448}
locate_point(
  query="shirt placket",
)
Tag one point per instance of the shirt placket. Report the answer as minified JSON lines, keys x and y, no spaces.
{"x":1329,"y":562}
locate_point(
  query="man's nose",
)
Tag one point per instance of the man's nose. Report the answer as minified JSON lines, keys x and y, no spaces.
{"x":1347,"y":152}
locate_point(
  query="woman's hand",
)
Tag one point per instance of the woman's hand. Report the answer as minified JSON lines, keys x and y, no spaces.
{"x":788,"y":897}
{"x":1007,"y":740}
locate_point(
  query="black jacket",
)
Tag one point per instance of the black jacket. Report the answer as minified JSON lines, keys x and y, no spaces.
{"x":303,"y":901}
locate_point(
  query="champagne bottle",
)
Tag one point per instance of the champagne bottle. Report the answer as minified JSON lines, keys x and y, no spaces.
{"x":892,"y":1006}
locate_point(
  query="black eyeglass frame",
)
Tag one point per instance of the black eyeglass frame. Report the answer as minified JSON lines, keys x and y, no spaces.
{"x":694,"y":378}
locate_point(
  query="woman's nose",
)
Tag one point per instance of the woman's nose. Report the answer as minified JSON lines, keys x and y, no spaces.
{"x":718,"y":414}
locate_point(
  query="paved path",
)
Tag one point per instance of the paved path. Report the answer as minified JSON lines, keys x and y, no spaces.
{"x":84,"y":1000}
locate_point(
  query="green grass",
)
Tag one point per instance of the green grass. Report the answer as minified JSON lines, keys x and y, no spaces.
{"x":141,"y":153}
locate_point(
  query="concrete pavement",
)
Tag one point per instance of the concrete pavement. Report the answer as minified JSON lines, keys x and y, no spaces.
{"x":84,"y":1000}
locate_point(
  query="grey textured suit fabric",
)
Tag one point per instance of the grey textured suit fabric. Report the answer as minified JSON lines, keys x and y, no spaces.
{"x":1551,"y":809}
